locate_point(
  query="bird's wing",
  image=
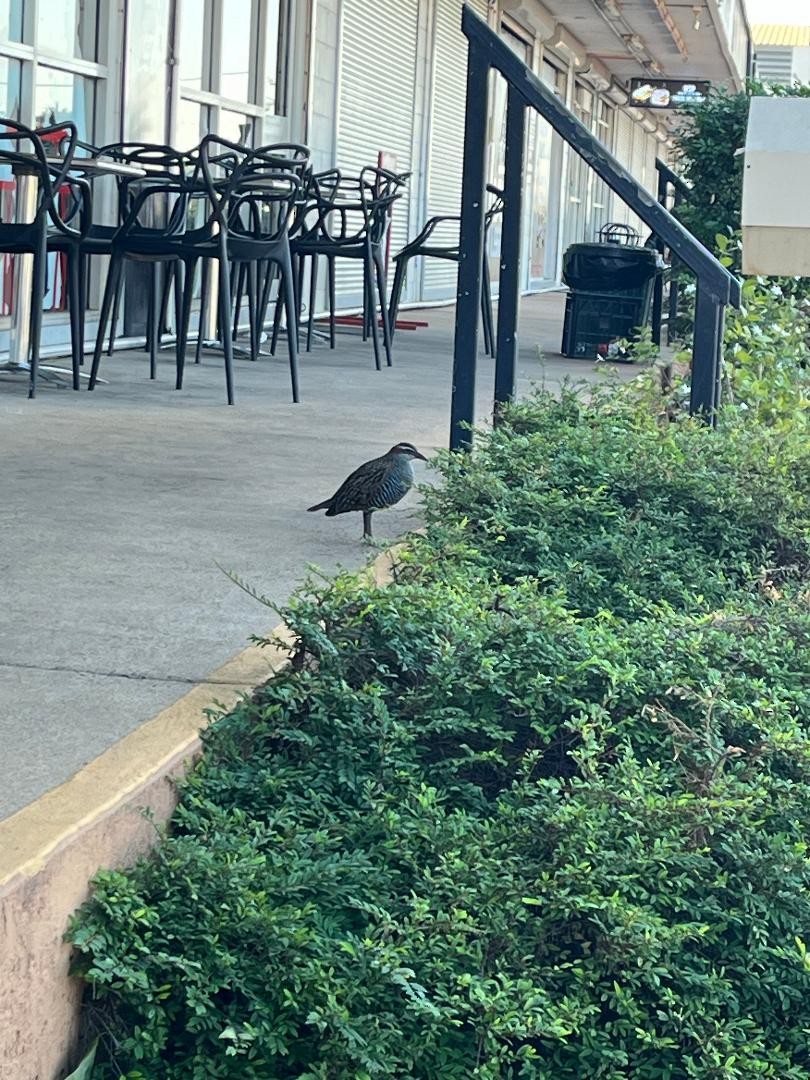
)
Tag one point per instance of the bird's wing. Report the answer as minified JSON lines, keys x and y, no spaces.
{"x":353,"y":492}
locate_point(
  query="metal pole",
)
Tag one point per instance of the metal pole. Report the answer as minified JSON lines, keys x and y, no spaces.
{"x":509,"y":287}
{"x":20,"y":335}
{"x":471,"y":250}
{"x":706,"y":354}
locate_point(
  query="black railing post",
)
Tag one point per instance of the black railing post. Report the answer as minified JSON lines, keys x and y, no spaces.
{"x":509,"y":281}
{"x":716,"y":286}
{"x":471,"y":249}
{"x":707,"y":348}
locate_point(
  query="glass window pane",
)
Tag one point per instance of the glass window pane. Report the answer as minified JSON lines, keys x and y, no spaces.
{"x":237,"y":36}
{"x":68,"y":27}
{"x":11,"y":20}
{"x":10,"y":72}
{"x":10,"y":77}
{"x":191,"y":45}
{"x":235,"y":127}
{"x":60,"y":95}
{"x":189,"y":124}
{"x":274,"y":65}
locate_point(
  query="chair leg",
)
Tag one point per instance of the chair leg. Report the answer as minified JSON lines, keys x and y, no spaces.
{"x":179,"y":276}
{"x":332,"y":304}
{"x":365,"y":302}
{"x":168,"y":281}
{"x":299,"y":266}
{"x":205,"y":300}
{"x":115,"y":311}
{"x":379,"y":265}
{"x":279,"y":302}
{"x":225,"y":318}
{"x":396,"y":292}
{"x":184,"y":320}
{"x":252,"y":279}
{"x":113,"y":279}
{"x":75,"y":294}
{"x":84,"y":286}
{"x":368,"y":279}
{"x":486,"y":310}
{"x":239,"y":282}
{"x":154,"y":321}
{"x":292,"y":322}
{"x":313,"y":289}
{"x":267,"y":284}
{"x":485,"y":324}
{"x":38,"y":287}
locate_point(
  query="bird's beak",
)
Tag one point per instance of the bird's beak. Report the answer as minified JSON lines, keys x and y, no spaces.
{"x":420,"y":456}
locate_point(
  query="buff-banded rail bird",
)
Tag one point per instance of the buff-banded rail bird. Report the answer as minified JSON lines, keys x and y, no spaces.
{"x":375,"y":485}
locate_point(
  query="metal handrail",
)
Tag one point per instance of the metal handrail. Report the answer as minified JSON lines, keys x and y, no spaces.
{"x":667,"y":179}
{"x":716,"y":287}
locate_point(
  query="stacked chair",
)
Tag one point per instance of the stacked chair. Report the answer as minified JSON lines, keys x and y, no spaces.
{"x":60,"y":221}
{"x":248,"y":197}
{"x":439,"y":239}
{"x":349,"y":217}
{"x":260,"y":216}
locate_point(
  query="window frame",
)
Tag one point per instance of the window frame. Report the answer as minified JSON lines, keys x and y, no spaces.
{"x":264,"y":118}
{"x":104,"y":72}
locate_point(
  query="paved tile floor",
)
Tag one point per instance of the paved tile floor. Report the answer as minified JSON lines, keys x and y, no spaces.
{"x":116,"y":507}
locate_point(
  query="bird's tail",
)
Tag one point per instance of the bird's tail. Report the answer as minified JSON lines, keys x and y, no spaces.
{"x":320,"y":506}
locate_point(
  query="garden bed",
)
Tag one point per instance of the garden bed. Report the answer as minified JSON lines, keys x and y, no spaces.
{"x":539,"y":808}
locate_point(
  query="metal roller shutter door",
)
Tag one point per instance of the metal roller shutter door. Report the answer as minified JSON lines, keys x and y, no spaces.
{"x":447,"y":132}
{"x":376,"y":106}
{"x":624,"y":152}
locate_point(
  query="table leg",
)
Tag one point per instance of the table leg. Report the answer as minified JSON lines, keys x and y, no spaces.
{"x":20,"y":337}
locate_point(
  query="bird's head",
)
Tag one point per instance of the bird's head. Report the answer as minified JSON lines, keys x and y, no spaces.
{"x":406,"y":449}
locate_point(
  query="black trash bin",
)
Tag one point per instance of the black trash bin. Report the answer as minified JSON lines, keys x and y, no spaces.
{"x":611,"y":284}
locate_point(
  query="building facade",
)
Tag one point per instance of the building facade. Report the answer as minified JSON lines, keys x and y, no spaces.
{"x":362,"y":83}
{"x":781,"y":53}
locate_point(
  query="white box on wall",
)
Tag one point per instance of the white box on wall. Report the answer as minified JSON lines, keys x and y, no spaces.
{"x":776,"y":183}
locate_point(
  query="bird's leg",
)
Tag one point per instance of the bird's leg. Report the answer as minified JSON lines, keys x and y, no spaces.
{"x":367,"y":525}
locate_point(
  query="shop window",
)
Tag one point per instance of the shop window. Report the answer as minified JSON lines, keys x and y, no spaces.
{"x":50,"y":71}
{"x":231,"y":58}
{"x":68,"y":28}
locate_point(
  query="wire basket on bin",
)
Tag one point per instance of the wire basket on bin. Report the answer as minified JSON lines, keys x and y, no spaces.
{"x":610,"y":283}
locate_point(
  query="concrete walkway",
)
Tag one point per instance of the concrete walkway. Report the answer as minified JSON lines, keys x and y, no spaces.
{"x":116,"y":507}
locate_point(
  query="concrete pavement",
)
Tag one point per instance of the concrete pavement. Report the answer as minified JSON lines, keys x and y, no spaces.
{"x":116,"y":507}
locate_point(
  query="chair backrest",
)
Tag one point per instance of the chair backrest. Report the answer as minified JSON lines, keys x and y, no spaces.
{"x":495,"y":204}
{"x":21,"y":146}
{"x":349,"y":209}
{"x":251,"y":193}
{"x":160,"y":163}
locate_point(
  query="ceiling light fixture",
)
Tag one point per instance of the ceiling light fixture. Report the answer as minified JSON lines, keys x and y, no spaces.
{"x":697,"y":11}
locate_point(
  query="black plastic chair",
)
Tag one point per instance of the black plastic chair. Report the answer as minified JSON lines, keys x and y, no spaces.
{"x":284,"y":157}
{"x":31,"y":238}
{"x":141,"y":240}
{"x":252,"y":195}
{"x":160,"y":163}
{"x":246,"y":205}
{"x":446,"y":246}
{"x":349,"y":217}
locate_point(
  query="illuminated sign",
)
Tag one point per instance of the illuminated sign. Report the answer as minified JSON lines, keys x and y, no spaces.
{"x":667,"y":93}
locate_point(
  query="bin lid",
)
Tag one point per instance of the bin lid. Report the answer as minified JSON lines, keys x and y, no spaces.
{"x":608,"y":267}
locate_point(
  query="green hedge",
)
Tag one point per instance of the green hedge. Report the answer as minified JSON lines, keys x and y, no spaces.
{"x":538,"y":809}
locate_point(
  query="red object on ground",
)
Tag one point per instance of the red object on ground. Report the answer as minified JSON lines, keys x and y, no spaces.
{"x":357,"y":320}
